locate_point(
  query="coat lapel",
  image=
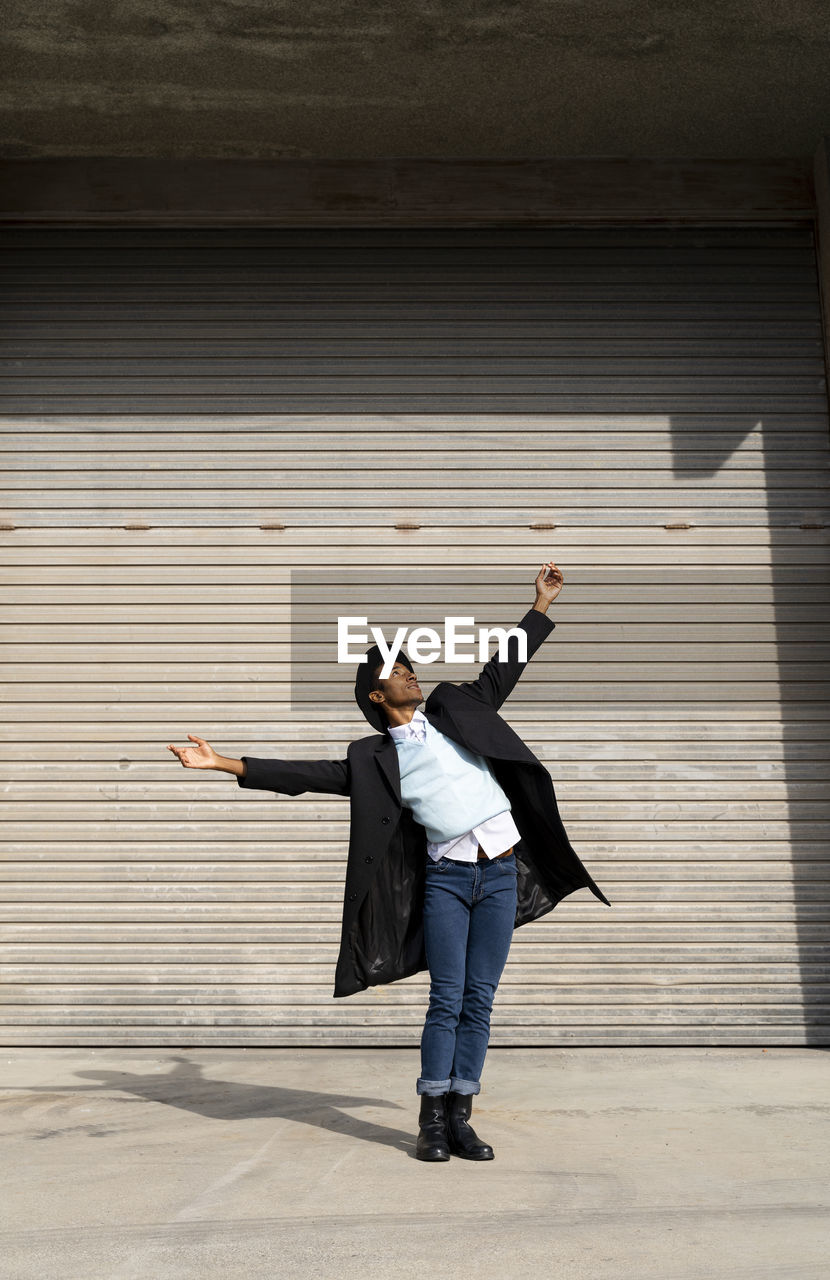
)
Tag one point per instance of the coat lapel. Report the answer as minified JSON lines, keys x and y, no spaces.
{"x":387,"y":757}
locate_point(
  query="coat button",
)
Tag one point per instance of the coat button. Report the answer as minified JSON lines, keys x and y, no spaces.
{"x":352,"y":897}
{"x":369,"y":858}
{"x":384,"y":821}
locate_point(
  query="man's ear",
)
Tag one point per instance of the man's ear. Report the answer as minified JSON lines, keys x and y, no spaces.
{"x":376,"y":695}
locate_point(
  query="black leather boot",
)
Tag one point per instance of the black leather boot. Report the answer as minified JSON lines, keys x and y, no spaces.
{"x":432,"y":1141}
{"x":464,"y":1141}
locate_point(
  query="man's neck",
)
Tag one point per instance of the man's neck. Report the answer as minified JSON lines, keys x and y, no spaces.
{"x":398,"y":716}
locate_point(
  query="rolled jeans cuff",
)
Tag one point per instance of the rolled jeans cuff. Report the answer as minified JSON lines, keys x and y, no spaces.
{"x":432,"y":1087}
{"x":465,"y":1086}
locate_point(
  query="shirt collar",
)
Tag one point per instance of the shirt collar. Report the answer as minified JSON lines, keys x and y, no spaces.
{"x":417,"y":727}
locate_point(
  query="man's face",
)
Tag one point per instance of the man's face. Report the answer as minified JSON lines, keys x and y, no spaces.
{"x":399,"y":689}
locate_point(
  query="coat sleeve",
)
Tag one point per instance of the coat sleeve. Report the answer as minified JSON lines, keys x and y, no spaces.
{"x":498,"y":679}
{"x":292,"y":777}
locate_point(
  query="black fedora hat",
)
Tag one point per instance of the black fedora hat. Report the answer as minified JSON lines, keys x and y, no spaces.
{"x":373,"y":712}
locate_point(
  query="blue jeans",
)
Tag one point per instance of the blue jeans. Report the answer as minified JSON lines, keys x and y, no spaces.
{"x":469,"y":914}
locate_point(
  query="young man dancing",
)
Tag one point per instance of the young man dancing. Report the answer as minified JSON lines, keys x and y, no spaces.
{"x":455,"y":840}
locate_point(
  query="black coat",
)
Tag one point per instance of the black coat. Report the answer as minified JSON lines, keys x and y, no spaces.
{"x":382,"y":934}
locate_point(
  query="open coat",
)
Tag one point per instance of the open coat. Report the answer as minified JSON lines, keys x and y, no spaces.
{"x":382,"y":931}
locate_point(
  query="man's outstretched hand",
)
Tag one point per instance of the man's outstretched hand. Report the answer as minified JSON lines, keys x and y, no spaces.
{"x":548,"y":585}
{"x":202,"y":756}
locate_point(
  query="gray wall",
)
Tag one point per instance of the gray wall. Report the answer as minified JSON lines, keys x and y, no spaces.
{"x":191,"y":416}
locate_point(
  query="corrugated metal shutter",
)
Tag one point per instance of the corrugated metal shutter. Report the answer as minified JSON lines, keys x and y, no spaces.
{"x":617,"y":383}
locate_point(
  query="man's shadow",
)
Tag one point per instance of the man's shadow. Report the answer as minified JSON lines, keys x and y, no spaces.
{"x":187,"y":1088}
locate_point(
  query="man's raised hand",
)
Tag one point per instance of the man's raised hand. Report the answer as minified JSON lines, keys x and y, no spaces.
{"x":549,"y":582}
{"x":202,"y":756}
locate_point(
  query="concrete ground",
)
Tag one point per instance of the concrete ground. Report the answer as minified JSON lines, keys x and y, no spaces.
{"x":154,"y":1164}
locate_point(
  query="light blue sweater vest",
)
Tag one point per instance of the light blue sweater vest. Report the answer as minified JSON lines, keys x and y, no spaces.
{"x":448,"y":788}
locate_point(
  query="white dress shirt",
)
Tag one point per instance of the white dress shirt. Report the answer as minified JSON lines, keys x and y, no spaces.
{"x":495,"y":836}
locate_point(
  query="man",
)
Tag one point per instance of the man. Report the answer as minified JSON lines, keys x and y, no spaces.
{"x":455,"y":840}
